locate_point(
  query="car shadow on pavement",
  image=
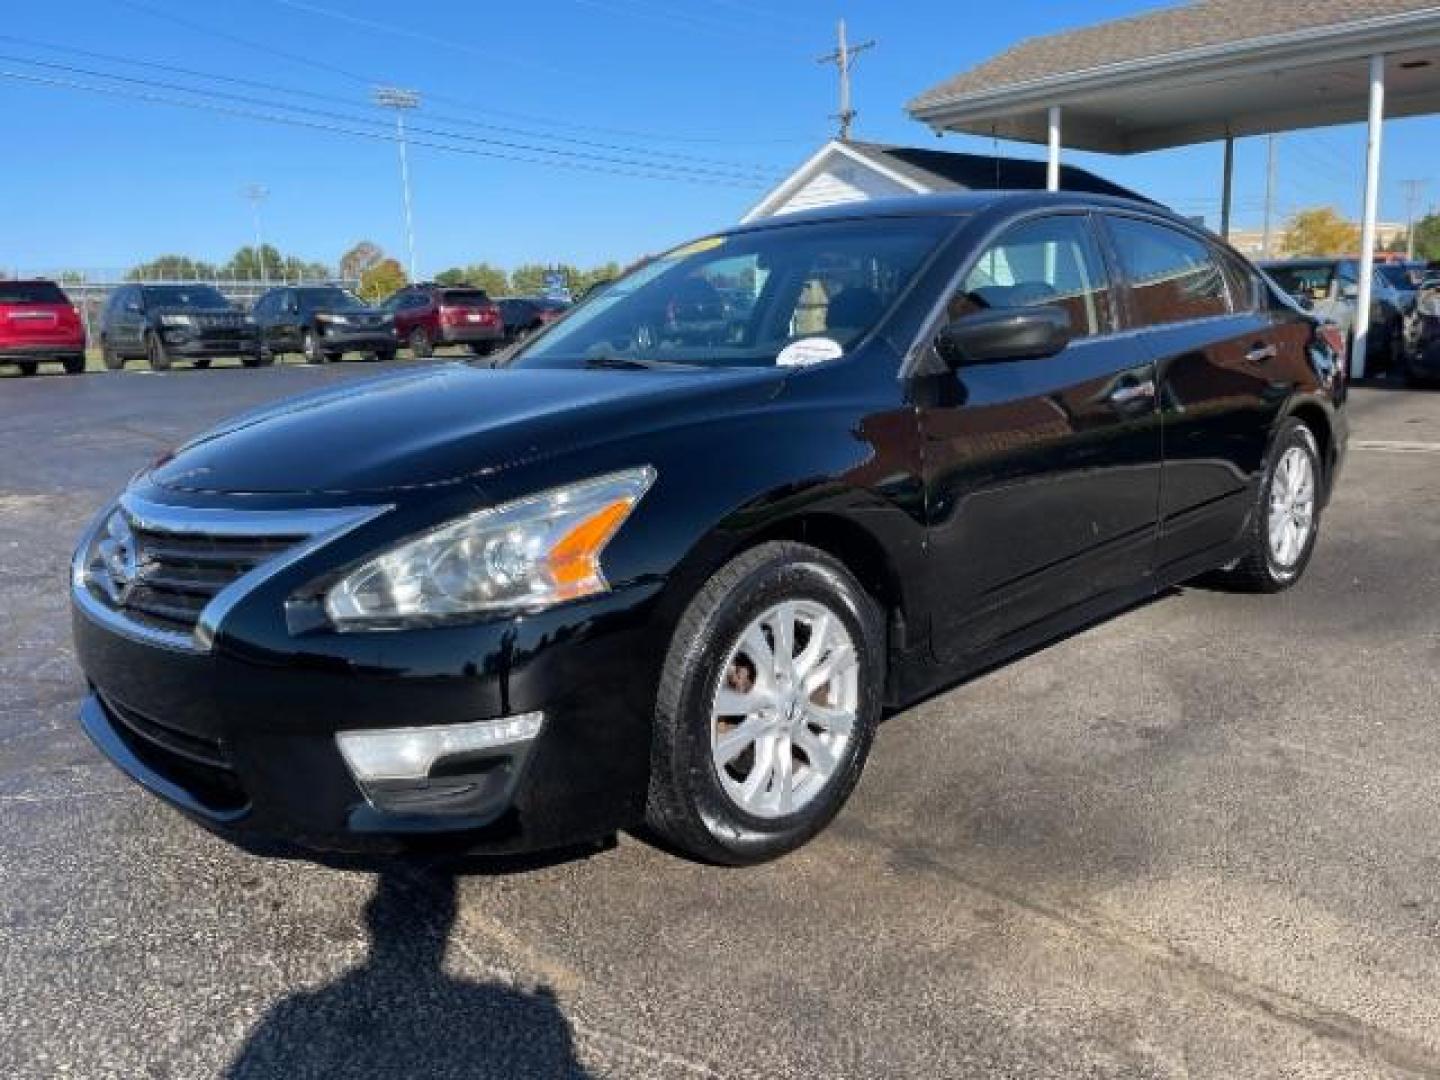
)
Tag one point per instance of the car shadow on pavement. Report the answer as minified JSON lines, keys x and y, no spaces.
{"x":400,"y":1014}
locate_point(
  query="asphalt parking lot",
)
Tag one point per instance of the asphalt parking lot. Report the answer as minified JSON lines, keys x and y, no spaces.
{"x":1197,"y":841}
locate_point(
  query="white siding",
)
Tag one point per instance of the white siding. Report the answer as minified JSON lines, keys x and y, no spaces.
{"x":840,"y":181}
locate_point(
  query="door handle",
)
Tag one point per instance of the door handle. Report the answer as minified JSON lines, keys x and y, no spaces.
{"x":1124,"y":395}
{"x":1260,"y":353}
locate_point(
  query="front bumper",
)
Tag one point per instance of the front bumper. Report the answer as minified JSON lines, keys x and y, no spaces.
{"x":347,"y":339}
{"x":188,"y":344}
{"x":242,"y":738}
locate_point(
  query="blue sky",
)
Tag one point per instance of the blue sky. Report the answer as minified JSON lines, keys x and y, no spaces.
{"x":103,"y":180}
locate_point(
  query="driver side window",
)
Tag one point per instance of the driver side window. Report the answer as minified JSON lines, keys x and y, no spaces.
{"x":1052,"y":261}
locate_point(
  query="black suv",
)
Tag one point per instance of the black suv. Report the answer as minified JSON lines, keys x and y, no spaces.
{"x":165,"y":323}
{"x":322,"y":322}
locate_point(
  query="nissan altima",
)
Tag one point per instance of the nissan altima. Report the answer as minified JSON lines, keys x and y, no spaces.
{"x":673,"y":561}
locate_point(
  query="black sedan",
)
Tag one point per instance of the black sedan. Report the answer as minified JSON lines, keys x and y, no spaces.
{"x":671,"y":570}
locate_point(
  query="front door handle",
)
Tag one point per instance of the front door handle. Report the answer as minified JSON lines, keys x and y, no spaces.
{"x":1125,"y":394}
{"x":1260,"y":353}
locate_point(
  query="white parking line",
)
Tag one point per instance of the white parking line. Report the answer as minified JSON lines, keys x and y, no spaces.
{"x":1397,"y":447}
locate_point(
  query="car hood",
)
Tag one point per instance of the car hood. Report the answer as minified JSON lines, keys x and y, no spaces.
{"x":443,"y":425}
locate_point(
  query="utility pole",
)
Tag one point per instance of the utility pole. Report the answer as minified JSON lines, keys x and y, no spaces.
{"x":844,"y":58}
{"x":1413,"y":190}
{"x":258,"y":193}
{"x":1269,"y":194}
{"x":392,"y":97}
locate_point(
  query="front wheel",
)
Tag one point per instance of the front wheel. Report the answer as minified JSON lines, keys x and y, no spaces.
{"x":74,"y":365}
{"x":385,"y":356}
{"x":1286,"y":521}
{"x":112,"y":360}
{"x":311,"y":347}
{"x":768,"y":703}
{"x":27,"y":367}
{"x":421,"y":347}
{"x":156,"y":353}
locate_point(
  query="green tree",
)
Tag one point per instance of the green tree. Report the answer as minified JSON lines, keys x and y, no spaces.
{"x":1320,"y":231}
{"x":482,"y":275}
{"x":172,"y":268}
{"x":1427,"y":237}
{"x":528,"y":279}
{"x":382,"y":279}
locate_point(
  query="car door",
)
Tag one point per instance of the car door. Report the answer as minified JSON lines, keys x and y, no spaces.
{"x":131,"y":335}
{"x":1217,"y":353}
{"x":1042,"y":475}
{"x":288,"y":332}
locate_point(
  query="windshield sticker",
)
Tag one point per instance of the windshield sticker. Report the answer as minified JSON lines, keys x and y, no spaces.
{"x":710,"y":243}
{"x":807,"y":351}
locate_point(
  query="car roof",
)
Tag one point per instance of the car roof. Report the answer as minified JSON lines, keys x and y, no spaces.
{"x":1314,"y":260}
{"x":954,"y":204}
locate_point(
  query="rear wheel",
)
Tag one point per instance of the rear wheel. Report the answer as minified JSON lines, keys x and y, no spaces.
{"x":74,"y":365}
{"x":385,"y":356}
{"x":262,"y":358}
{"x":156,"y":352}
{"x":768,"y":703}
{"x":1286,"y":522}
{"x":202,"y":362}
{"x":28,"y":367}
{"x":421,"y":347}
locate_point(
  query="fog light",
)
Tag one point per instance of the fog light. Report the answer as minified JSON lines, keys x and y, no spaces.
{"x":410,"y":753}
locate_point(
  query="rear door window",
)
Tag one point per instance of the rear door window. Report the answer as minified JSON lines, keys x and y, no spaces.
{"x":1173,"y":277}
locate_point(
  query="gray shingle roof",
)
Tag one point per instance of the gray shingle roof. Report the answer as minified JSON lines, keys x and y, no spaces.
{"x":945,"y":170}
{"x":1169,"y":30}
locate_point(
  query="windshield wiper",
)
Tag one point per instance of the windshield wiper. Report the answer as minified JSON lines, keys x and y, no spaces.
{"x":630,"y":363}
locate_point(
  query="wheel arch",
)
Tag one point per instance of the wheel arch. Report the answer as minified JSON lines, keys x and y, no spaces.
{"x":1313,"y":415}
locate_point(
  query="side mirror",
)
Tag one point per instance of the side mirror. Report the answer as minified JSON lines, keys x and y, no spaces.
{"x":1003,"y":334}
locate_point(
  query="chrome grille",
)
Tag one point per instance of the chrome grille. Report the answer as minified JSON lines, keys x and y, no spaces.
{"x":168,"y":574}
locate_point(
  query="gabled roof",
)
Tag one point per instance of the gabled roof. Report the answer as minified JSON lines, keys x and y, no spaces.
{"x":932,"y":171}
{"x":1158,"y":33}
{"x":947,"y":170}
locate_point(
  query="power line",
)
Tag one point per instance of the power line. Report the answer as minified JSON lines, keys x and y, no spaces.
{"x":640,"y":170}
{"x":309,"y":61}
{"x":502,"y":144}
{"x":348,"y":103}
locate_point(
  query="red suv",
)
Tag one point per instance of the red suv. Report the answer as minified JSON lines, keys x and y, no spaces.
{"x":429,"y":315}
{"x":38,"y":323}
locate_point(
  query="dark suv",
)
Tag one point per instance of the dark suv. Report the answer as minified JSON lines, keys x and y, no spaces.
{"x":38,"y":322}
{"x":322,"y":322}
{"x":661,"y":570}
{"x":165,"y":323}
{"x":428,"y":315}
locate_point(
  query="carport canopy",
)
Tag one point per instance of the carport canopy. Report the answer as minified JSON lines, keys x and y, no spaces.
{"x":1209,"y":70}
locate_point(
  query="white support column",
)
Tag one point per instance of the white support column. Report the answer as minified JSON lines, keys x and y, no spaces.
{"x":1052,"y":171}
{"x":1227,"y":187}
{"x":1367,"y":224}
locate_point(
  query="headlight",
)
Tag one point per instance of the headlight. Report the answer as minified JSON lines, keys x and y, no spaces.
{"x":176,"y":320}
{"x":530,"y":553}
{"x":338,"y":320}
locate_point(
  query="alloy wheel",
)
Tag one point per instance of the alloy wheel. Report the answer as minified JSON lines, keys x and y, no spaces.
{"x":1292,"y":508}
{"x":784,"y":709}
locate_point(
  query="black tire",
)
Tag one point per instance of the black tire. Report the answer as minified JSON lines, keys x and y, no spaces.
{"x":1257,"y":570}
{"x":421,"y":347}
{"x":310,"y":346}
{"x":687,"y":805}
{"x":28,"y":367}
{"x":483,"y":348}
{"x":74,"y":365}
{"x":263,"y":358}
{"x":156,"y":353}
{"x":385,"y":356}
{"x":201,"y":362}
{"x":112,"y":360}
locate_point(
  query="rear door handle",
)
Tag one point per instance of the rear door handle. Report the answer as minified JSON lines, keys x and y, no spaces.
{"x":1260,"y":353}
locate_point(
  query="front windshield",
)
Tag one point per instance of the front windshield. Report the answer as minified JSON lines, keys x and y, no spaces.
{"x":1397,"y":275}
{"x":739,"y":300}
{"x":184,"y":296}
{"x":331,"y":299}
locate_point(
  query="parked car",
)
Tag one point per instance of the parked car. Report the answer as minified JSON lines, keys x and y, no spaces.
{"x":1422,"y":337}
{"x":632,"y":577}
{"x":521,"y":317}
{"x":428,"y":315}
{"x":1405,"y":279}
{"x":1331,"y":287}
{"x":165,"y":323}
{"x":322,"y":323}
{"x":38,"y":324}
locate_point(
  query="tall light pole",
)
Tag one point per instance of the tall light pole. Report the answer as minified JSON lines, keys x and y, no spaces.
{"x":258,"y":193}
{"x":844,"y":59}
{"x":392,"y":97}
